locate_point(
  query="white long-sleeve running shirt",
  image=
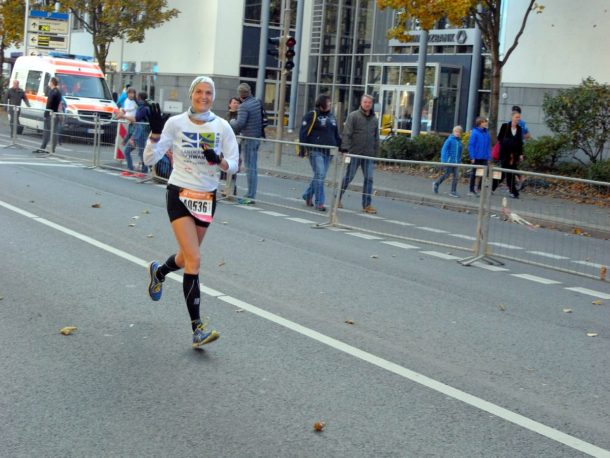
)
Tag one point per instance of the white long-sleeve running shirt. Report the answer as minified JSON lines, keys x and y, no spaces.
{"x":183,"y":137}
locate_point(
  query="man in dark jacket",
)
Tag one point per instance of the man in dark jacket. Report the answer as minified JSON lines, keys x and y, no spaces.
{"x":14,"y":96}
{"x":361,"y":137}
{"x":249,"y":123}
{"x":53,"y":101}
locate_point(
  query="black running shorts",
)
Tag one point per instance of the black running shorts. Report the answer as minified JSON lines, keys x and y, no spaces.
{"x":176,"y":209}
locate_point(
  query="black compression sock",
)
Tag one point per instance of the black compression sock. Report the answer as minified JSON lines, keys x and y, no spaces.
{"x":169,"y":266}
{"x":190,"y":286}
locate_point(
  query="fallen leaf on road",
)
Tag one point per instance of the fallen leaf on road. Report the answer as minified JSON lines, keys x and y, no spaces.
{"x":66,"y":331}
{"x":567,"y":310}
{"x":239,"y":311}
{"x":502,"y":307}
{"x":374,"y":256}
{"x":98,"y":205}
{"x":261,"y":240}
{"x":591,"y":334}
{"x":349,"y":321}
{"x":221,"y":264}
{"x":131,"y":225}
{"x":318,"y":426}
{"x":225,"y":222}
{"x":31,"y":201}
{"x":577,"y":231}
{"x":146,"y":211}
{"x":597,"y":302}
{"x":150,"y":236}
{"x":603,"y":271}
{"x":135,"y":217}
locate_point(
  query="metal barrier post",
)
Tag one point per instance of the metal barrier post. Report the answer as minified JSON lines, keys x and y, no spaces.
{"x":481,"y":248}
{"x":52,"y":133}
{"x":14,"y":126}
{"x":96,"y":141}
{"x":339,"y":170}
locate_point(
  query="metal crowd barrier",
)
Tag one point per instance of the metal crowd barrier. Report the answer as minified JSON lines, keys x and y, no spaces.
{"x":558,"y":222}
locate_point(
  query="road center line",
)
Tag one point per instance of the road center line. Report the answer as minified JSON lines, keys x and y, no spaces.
{"x":408,"y":374}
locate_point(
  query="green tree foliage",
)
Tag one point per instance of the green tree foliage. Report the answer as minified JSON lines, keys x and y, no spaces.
{"x":12,"y":13}
{"x":420,"y":148}
{"x":487,"y":16}
{"x":109,"y":20}
{"x":582,"y":115}
{"x":544,"y":153}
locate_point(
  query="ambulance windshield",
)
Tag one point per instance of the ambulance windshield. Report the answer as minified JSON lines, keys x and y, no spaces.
{"x":83,"y":86}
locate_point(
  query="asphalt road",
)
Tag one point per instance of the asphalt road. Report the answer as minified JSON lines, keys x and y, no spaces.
{"x":440,"y":359}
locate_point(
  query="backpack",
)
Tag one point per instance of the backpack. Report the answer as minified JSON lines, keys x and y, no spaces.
{"x":264,"y":119}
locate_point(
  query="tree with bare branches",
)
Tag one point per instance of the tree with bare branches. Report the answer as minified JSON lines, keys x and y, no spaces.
{"x":109,"y":20}
{"x":486,"y":13}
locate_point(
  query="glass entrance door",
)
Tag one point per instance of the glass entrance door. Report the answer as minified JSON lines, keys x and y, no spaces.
{"x":396,"y":110}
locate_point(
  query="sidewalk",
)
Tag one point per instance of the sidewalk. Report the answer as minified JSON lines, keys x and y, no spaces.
{"x":561,"y":213}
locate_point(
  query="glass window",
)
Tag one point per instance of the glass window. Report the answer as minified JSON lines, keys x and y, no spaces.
{"x":374,"y":74}
{"x":391,"y":74}
{"x":344,"y":69}
{"x":84,"y":86}
{"x":408,"y":75}
{"x":32,"y":83}
{"x":329,"y":32}
{"x":252,"y":11}
{"x":327,"y":69}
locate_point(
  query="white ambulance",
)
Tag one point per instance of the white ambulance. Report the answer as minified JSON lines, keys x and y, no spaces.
{"x":82,"y":86}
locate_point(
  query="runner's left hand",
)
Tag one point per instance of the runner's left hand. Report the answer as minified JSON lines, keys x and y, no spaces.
{"x":211,"y":156}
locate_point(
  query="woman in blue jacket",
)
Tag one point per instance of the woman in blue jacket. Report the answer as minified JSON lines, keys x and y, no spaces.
{"x":479,"y":149}
{"x":451,"y":154}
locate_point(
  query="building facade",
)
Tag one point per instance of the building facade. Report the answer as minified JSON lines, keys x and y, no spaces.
{"x":344,"y":53}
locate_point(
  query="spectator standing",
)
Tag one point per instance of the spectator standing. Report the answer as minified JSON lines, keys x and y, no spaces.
{"x":202,"y":144}
{"x":14,"y":96}
{"x":128,"y":113}
{"x":361,"y":137}
{"x":479,"y":148}
{"x":249,"y":123}
{"x":53,"y":101}
{"x":451,"y":154}
{"x":319,"y":127}
{"x":234,"y":103}
{"x":141,"y":129}
{"x":123,"y":96}
{"x":511,"y":151}
{"x":524,"y":130}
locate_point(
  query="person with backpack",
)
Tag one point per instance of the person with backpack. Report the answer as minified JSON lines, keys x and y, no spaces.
{"x":249,"y":123}
{"x":319,"y":127}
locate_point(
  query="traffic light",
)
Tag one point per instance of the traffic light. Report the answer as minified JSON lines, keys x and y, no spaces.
{"x":274,"y":49}
{"x":290,"y":53}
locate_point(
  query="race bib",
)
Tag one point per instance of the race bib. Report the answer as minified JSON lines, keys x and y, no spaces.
{"x":198,"y":203}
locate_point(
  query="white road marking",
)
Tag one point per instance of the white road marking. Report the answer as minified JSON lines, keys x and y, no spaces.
{"x":37,"y":164}
{"x":336,"y":229}
{"x":302,"y":220}
{"x":491,"y":267}
{"x":544,"y":281}
{"x":587,"y":263}
{"x":405,"y":246}
{"x":466,"y":398}
{"x":247,"y":207}
{"x":462,"y":236}
{"x":505,"y":245}
{"x":400,"y":223}
{"x":364,"y":236}
{"x":270,"y":213}
{"x":366,"y":215}
{"x":589,"y":292}
{"x":548,"y":255}
{"x":438,"y":254}
{"x":431,"y":229}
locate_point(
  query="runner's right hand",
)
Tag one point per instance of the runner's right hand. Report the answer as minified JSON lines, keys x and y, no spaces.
{"x":156,"y":120}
